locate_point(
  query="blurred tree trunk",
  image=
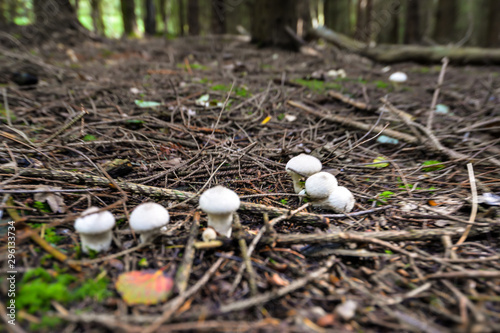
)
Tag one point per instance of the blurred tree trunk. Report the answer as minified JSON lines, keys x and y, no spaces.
{"x":97,"y":19}
{"x":12,"y":8}
{"x":181,"y":18}
{"x":55,"y":15}
{"x":338,"y":15}
{"x":150,"y":17}
{"x":3,"y":18}
{"x":480,"y":31}
{"x":305,"y":14}
{"x":193,"y":17}
{"x":218,"y":17}
{"x":494,"y":23}
{"x":412,"y":25}
{"x":164,"y":16}
{"x":128,"y":17}
{"x":268,"y":22}
{"x":446,"y":18}
{"x":364,"y":30}
{"x":386,"y":21}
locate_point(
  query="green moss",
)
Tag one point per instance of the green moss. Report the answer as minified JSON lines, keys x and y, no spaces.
{"x":38,"y":288}
{"x":318,"y":86}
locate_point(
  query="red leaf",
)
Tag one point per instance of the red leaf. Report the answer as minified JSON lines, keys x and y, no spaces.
{"x":144,"y":287}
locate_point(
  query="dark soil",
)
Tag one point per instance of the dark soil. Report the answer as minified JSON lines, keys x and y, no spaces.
{"x":393,"y":256}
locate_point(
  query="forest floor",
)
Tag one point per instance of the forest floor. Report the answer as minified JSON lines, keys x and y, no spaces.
{"x":161,"y":121}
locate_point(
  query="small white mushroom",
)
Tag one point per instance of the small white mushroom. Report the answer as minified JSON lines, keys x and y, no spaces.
{"x":209,"y":234}
{"x":95,"y":229}
{"x":340,"y":200}
{"x":302,"y":166}
{"x":398,"y":77}
{"x":319,"y":186}
{"x":220,"y":203}
{"x":147,"y":219}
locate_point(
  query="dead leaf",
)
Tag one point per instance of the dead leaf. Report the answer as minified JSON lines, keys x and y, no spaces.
{"x":276,"y":280}
{"x":54,"y":199}
{"x":144,"y":287}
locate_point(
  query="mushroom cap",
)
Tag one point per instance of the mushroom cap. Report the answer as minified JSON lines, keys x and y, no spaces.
{"x":148,"y":216}
{"x":320,"y":185}
{"x":94,"y":223}
{"x":219,"y":200}
{"x":304,"y":164}
{"x":398,"y":77}
{"x":209,"y":234}
{"x":341,"y":200}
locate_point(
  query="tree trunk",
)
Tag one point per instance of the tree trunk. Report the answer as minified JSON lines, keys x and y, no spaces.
{"x":150,"y":18}
{"x":218,"y":17}
{"x":164,"y":16}
{"x":194,"y":17}
{"x":3,"y":18}
{"x":446,"y":17}
{"x":128,"y":17}
{"x":269,"y":19}
{"x":12,"y":9}
{"x":304,"y":23}
{"x":494,"y":24}
{"x":412,"y":27}
{"x":337,"y":15}
{"x":56,"y":16}
{"x":97,"y":19}
{"x":386,"y":21}
{"x":364,"y":28}
{"x":481,"y":25}
{"x":181,"y":18}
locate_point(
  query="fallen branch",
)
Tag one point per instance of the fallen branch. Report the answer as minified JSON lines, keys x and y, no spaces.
{"x":394,"y":236}
{"x":151,"y":191}
{"x":356,"y":124}
{"x":388,"y":53}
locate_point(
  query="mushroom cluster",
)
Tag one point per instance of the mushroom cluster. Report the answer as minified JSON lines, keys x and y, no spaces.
{"x":321,"y":187}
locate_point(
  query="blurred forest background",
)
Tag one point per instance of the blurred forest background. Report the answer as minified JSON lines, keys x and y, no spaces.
{"x":425,"y":22}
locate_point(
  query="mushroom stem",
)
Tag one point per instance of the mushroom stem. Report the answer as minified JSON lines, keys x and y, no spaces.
{"x":221,"y":223}
{"x":297,"y":187}
{"x":147,"y":236}
{"x":96,"y":242}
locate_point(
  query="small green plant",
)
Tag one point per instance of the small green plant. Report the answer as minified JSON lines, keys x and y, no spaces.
{"x":432,"y":166}
{"x":89,"y":137}
{"x":382,"y":198}
{"x":381,"y":84}
{"x":51,"y":236}
{"x":42,"y":207}
{"x":143,"y":262}
{"x":281,"y":116}
{"x":239,"y":91}
{"x":284,"y":201}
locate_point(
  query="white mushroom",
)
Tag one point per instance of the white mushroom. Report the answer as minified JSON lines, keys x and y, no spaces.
{"x":209,"y":234}
{"x":398,"y":77}
{"x":302,"y":166}
{"x":340,"y":200}
{"x":220,"y":203}
{"x":95,"y":229}
{"x":319,"y":186}
{"x":147,"y":219}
